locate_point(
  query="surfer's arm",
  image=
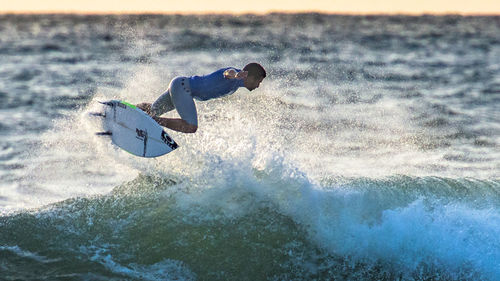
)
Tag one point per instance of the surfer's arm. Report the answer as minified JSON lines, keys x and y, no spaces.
{"x":233,"y":74}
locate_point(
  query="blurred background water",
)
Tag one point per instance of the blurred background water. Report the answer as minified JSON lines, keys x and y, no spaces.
{"x":371,"y":150}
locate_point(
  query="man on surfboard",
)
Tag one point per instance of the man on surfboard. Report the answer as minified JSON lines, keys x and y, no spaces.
{"x":182,"y":91}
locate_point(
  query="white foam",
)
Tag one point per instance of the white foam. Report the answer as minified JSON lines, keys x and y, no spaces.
{"x":365,"y":224}
{"x":166,"y":269}
{"x":27,"y":254}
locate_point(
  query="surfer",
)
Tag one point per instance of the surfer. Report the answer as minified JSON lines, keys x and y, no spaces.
{"x":182,"y":91}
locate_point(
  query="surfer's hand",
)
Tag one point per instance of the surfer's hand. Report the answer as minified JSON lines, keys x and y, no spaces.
{"x":241,"y":75}
{"x":230,"y":74}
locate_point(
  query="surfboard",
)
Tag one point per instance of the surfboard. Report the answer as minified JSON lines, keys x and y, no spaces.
{"x":134,"y":131}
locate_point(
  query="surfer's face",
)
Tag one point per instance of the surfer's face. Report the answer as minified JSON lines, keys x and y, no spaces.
{"x":252,"y":82}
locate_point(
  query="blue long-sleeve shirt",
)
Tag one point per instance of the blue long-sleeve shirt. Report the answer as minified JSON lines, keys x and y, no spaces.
{"x":214,"y":85}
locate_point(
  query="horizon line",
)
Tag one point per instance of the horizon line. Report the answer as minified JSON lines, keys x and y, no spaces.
{"x":197,"y":13}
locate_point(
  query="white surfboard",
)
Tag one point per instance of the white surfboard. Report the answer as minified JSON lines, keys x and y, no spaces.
{"x":134,"y":131}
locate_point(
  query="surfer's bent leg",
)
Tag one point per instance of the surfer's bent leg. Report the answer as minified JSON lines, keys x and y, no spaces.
{"x":177,"y":96}
{"x":180,"y":92}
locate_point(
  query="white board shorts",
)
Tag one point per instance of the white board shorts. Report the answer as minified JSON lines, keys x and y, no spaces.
{"x":178,"y":96}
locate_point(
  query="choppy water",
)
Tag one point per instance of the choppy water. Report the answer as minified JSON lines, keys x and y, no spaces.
{"x":371,"y":151}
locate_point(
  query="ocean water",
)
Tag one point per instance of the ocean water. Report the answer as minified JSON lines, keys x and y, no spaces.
{"x":370,"y":152}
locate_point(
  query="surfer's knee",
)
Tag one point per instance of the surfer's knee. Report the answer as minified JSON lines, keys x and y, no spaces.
{"x":190,"y":129}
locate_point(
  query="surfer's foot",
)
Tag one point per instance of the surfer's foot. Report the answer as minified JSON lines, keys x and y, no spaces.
{"x":146,"y":107}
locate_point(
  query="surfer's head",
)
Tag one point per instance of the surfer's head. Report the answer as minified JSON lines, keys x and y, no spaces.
{"x":256,"y":73}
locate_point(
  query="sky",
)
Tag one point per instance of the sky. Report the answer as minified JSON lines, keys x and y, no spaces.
{"x":253,"y":6}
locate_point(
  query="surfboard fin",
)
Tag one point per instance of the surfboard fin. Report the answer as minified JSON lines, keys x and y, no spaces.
{"x":97,"y":114}
{"x":106,"y":103}
{"x":104,"y":133}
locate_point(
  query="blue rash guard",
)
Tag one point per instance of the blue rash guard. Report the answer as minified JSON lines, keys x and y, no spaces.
{"x":214,"y":85}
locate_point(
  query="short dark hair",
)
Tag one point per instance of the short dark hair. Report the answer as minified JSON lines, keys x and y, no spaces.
{"x":256,"y":70}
